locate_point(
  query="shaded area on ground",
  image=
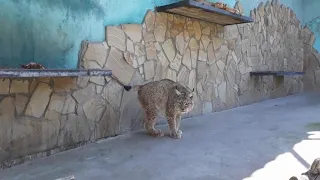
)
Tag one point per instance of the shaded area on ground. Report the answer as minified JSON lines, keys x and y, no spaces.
{"x":251,"y":142}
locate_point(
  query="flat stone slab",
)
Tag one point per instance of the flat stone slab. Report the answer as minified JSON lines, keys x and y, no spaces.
{"x":27,"y":73}
{"x":198,"y":10}
{"x":253,"y":142}
{"x":276,"y":73}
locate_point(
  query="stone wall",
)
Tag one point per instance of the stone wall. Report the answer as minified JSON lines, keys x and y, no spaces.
{"x":312,"y":67}
{"x":46,"y":115}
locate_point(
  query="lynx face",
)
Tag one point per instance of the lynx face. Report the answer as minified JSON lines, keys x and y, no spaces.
{"x":184,"y":99}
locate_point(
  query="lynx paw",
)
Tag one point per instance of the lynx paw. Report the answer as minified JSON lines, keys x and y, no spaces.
{"x":157,"y":133}
{"x":176,"y":135}
{"x":179,"y":132}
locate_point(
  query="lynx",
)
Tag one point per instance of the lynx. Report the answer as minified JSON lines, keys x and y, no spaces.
{"x":167,"y":97}
{"x":314,"y":169}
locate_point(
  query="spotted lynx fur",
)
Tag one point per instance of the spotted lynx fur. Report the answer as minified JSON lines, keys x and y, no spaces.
{"x":314,"y":169}
{"x":167,"y":97}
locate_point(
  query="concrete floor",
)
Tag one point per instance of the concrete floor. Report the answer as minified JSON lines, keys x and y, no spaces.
{"x":270,"y":140}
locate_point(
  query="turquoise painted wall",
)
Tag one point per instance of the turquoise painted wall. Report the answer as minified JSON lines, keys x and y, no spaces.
{"x":50,"y":31}
{"x":312,"y":19}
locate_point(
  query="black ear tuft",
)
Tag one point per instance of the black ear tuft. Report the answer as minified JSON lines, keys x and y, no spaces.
{"x":193,"y":90}
{"x":127,"y":88}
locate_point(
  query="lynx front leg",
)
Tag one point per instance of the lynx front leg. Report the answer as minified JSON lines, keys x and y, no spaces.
{"x":173,"y":127}
{"x":178,"y":119}
{"x":150,"y":122}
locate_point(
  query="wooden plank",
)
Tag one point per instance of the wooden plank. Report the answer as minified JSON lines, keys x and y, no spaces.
{"x":197,"y":10}
{"x":276,"y":73}
{"x":28,"y":73}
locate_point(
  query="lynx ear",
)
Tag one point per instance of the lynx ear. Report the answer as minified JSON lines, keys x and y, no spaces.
{"x":177,"y":91}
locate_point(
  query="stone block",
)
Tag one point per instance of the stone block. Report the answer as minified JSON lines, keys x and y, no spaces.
{"x":69,"y":105}
{"x":148,"y":36}
{"x":149,"y":70}
{"x":130,"y":110}
{"x":133,"y":31}
{"x":52,"y":115}
{"x":222,"y":91}
{"x":94,"y":108}
{"x":194,"y":58}
{"x":131,"y":59}
{"x":176,"y":63}
{"x":207,"y":109}
{"x":192,"y":79}
{"x":4,"y":86}
{"x":178,"y":25}
{"x":120,"y":68}
{"x":7,"y":118}
{"x":183,"y":76}
{"x":96,"y":52}
{"x":112,"y":92}
{"x":39,"y":100}
{"x":83,"y":95}
{"x":160,"y":33}
{"x":75,"y":129}
{"x":197,"y":30}
{"x":151,"y":51}
{"x":193,"y":44}
{"x":171,"y":74}
{"x":217,"y":42}
{"x":206,"y":31}
{"x":91,"y":64}
{"x":30,"y":136}
{"x":149,"y":20}
{"x":56,"y":103}
{"x":130,"y":46}
{"x":169,"y":49}
{"x":99,"y":80}
{"x":108,"y":126}
{"x":180,"y":43}
{"x":186,"y":60}
{"x":116,"y":37}
{"x":19,"y":86}
{"x":163,"y":59}
{"x":82,"y":82}
{"x":203,"y":56}
{"x":65,"y":84}
{"x":20,"y":103}
{"x":161,"y":72}
{"x":205,"y":41}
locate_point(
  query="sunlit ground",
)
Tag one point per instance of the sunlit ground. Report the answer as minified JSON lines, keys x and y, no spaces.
{"x":292,"y":163}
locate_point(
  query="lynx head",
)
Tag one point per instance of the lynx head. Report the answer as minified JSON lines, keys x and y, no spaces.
{"x":184,"y":98}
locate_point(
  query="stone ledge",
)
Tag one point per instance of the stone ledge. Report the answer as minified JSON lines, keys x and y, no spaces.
{"x":28,"y":73}
{"x":276,"y":73}
{"x":197,"y":10}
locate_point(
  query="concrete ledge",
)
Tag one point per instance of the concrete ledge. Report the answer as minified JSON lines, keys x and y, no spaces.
{"x":26,"y":73}
{"x":276,"y":73}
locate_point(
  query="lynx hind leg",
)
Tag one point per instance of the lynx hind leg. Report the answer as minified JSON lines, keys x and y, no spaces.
{"x":150,"y":122}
